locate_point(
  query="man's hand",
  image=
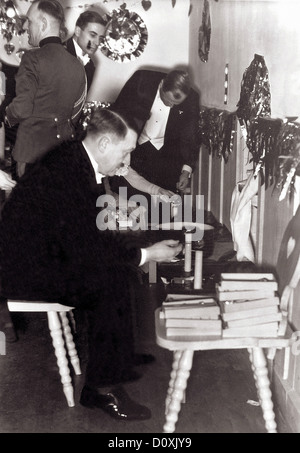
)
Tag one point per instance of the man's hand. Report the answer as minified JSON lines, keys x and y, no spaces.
{"x":183,"y":180}
{"x":6,"y":183}
{"x":164,"y":251}
{"x":165,"y":193}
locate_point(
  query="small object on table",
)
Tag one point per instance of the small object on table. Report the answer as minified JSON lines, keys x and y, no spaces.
{"x":198,"y":269}
{"x":188,"y":253}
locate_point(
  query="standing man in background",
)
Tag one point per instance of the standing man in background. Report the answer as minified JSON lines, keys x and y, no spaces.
{"x":167,"y":111}
{"x":85,"y":41}
{"x":50,"y":87}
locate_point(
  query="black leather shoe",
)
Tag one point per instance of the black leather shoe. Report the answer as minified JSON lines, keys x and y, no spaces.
{"x":116,"y":403}
{"x":143,"y":359}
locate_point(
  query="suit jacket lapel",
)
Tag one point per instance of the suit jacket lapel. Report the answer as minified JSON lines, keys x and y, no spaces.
{"x":89,"y":173}
{"x":70,"y":47}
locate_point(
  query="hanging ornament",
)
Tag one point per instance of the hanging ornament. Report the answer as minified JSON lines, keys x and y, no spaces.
{"x":10,"y":24}
{"x":216,"y":129}
{"x":204,"y":33}
{"x":125,"y":35}
{"x":288,"y":152}
{"x":255,"y":96}
{"x":146,"y":4}
{"x":9,"y":47}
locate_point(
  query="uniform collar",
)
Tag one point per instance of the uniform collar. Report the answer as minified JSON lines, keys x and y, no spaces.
{"x":50,"y":39}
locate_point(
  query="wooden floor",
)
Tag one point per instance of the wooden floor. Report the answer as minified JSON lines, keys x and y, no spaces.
{"x":220,"y":398}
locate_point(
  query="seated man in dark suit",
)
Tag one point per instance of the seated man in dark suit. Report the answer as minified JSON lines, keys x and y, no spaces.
{"x":54,"y":247}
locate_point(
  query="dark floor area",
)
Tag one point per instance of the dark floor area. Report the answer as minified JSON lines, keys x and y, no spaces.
{"x":220,"y":396}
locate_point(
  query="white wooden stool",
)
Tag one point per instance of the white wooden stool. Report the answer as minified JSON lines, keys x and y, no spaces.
{"x":183,"y":352}
{"x":288,"y":270}
{"x":61,"y":336}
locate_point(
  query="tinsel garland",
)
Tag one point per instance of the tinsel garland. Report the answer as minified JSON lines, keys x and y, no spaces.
{"x":255,"y":96}
{"x":261,"y":142}
{"x":275,"y":145}
{"x":88,"y":110}
{"x":216,"y":131}
{"x":288,"y":151}
{"x":10,"y":24}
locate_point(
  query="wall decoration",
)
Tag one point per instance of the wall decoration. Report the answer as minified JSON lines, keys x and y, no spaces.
{"x":11,"y":24}
{"x":275,"y":147}
{"x":204,"y":33}
{"x":146,"y":4}
{"x":288,"y":151}
{"x":125,"y":36}
{"x":255,"y":96}
{"x":226,"y":84}
{"x":217,"y":130}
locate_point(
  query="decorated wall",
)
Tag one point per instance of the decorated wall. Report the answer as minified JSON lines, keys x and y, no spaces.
{"x":167,"y":24}
{"x":240,"y":29}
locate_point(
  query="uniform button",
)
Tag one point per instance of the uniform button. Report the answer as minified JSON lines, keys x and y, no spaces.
{"x":55,"y":119}
{"x":58,"y":136}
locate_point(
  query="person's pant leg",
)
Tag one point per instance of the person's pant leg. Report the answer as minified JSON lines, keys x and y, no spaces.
{"x":110,"y":339}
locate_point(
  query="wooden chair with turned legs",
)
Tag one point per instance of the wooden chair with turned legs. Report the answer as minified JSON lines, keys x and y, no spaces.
{"x":62,"y":338}
{"x":288,"y":274}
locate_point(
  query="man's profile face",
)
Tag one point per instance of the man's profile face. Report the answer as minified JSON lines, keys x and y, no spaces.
{"x":116,"y":153}
{"x":33,"y":25}
{"x":88,"y":38}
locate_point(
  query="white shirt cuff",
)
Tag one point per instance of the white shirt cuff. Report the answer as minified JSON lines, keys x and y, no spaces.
{"x":143,"y":257}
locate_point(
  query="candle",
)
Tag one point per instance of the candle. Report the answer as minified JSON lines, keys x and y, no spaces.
{"x":188,"y":253}
{"x":198,"y":270}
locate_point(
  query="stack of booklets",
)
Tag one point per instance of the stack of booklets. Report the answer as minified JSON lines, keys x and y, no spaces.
{"x":191,"y":315}
{"x":249,"y":305}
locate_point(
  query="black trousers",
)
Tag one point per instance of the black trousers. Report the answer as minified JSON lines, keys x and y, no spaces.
{"x":108,"y":316}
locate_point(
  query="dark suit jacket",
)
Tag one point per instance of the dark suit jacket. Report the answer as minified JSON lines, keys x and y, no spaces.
{"x":89,"y":67}
{"x":10,"y":92}
{"x":49,"y":85}
{"x":136,"y":99}
{"x":51,"y":247}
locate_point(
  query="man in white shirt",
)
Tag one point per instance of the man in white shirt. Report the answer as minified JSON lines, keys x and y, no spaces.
{"x":166,"y":109}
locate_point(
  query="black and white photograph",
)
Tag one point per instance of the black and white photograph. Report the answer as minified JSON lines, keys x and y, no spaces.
{"x":149,"y":219}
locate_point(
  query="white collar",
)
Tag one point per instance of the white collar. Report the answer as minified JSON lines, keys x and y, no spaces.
{"x":98,"y":175}
{"x":83,"y":57}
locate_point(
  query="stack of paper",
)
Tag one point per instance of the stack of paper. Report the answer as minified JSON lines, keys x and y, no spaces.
{"x":191,"y":316}
{"x":249,"y":304}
